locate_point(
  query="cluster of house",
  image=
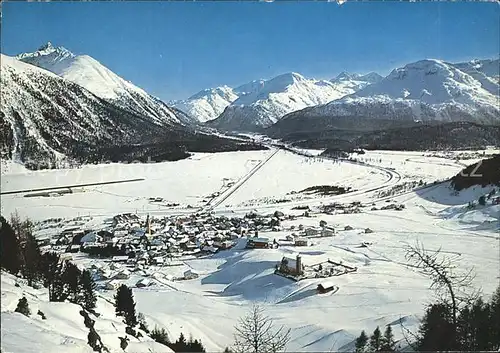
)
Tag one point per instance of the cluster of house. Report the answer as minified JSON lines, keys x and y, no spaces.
{"x":392,"y":206}
{"x":157,"y":240}
{"x":353,"y":207}
{"x":293,"y":268}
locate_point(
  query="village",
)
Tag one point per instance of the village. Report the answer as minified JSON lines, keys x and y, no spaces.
{"x":129,"y":248}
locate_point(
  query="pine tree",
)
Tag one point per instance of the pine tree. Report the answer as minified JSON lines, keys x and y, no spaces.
{"x":375,"y":340}
{"x":160,"y":336}
{"x":180,"y":345}
{"x":387,"y":342}
{"x":194,"y":346}
{"x":361,"y":342}
{"x":88,"y":287}
{"x":23,"y":307}
{"x":482,"y":200}
{"x":57,"y":291}
{"x":437,"y":332}
{"x":494,"y":316}
{"x":125,"y":305}
{"x":71,"y":279}
{"x":9,"y":248}
{"x":29,"y":251}
{"x":142,"y":322}
{"x":49,"y":265}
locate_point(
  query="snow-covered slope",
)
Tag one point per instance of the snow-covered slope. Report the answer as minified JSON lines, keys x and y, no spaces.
{"x":63,"y":329}
{"x":207,"y":104}
{"x":485,"y":71}
{"x":44,"y":117}
{"x":269,"y":100}
{"x":98,"y":79}
{"x":424,"y":90}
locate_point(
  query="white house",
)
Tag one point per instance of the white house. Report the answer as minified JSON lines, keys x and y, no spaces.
{"x":112,"y":285}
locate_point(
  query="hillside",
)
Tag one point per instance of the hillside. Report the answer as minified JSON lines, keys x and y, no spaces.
{"x":47,"y":120}
{"x":63,"y":330}
{"x":207,"y":104}
{"x":426,"y":91}
{"x":274,"y":98}
{"x":355,"y":133}
{"x":98,"y":79}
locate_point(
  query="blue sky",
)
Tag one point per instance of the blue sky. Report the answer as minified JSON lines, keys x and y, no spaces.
{"x":174,"y":49}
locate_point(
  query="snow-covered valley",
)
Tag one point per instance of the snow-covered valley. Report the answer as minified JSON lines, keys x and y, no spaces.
{"x":382,"y":290}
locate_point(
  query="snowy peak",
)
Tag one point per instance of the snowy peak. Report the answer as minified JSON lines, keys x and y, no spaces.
{"x":344,"y":76}
{"x":223,"y":91}
{"x":425,"y":90}
{"x":488,"y":67}
{"x":207,"y":104}
{"x":101,"y":81}
{"x":430,"y":81}
{"x":371,"y":77}
{"x":250,"y":87}
{"x":46,"y":55}
{"x":268,"y":100}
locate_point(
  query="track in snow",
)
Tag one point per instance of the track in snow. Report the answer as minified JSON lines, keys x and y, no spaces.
{"x":393,"y":178}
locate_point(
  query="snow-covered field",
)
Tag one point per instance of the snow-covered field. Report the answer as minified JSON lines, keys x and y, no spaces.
{"x":383,"y":290}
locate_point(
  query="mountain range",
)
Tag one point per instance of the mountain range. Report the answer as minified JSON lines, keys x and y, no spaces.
{"x":102,"y":82}
{"x":58,"y":105}
{"x":261,"y":103}
{"x":427,"y":90}
{"x":58,"y":108}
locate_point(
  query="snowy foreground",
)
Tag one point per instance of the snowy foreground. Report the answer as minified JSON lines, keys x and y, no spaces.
{"x":382,"y":291}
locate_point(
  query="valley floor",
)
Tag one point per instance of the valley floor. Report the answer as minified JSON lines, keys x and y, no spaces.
{"x":384,"y":289}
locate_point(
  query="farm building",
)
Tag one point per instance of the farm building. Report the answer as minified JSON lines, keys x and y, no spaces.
{"x":125,"y":274}
{"x":327,"y":231}
{"x":310,"y":231}
{"x":258,"y":243}
{"x":144,"y":282}
{"x":112,"y":285}
{"x":301,"y":242}
{"x":348,"y":228}
{"x":325,"y":287}
{"x":190,"y":274}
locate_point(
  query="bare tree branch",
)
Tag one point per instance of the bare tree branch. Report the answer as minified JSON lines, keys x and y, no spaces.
{"x":451,"y":284}
{"x":256,"y":333}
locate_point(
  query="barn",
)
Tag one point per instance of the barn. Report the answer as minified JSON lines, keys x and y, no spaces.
{"x":259,"y":243}
{"x":325,"y":287}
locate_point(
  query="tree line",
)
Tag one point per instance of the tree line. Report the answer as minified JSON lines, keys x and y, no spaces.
{"x":21,"y":256}
{"x":125,"y":307}
{"x":459,"y":320}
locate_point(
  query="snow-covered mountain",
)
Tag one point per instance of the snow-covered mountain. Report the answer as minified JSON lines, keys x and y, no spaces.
{"x":485,"y":71}
{"x":98,"y":79}
{"x":266,"y":101}
{"x":45,"y":117}
{"x":207,"y":104}
{"x":425,"y":90}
